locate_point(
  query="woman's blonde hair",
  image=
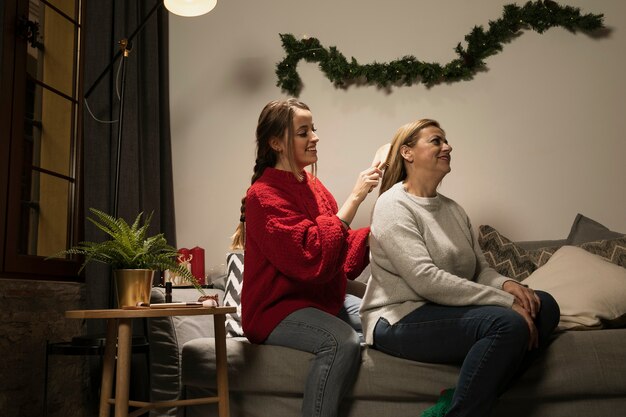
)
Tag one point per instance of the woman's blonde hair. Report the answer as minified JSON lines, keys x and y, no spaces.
{"x":405,"y":135}
{"x":275,"y":120}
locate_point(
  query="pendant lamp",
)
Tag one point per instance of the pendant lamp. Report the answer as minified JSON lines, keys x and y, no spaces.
{"x":190,"y":8}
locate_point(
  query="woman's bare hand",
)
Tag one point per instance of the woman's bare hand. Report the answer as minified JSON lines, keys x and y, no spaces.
{"x":525,"y":296}
{"x":533,"y":340}
{"x":367,"y":181}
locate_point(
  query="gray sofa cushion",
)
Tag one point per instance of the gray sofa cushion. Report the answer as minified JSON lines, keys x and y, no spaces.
{"x":585,"y":230}
{"x":577,"y":364}
{"x":283,"y":370}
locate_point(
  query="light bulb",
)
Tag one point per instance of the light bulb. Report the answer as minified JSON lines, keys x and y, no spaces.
{"x":190,"y":8}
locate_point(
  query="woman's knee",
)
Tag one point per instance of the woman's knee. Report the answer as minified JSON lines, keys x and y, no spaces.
{"x":341,"y":337}
{"x":349,"y":346}
{"x":514,"y":326}
{"x":549,"y":307}
{"x":343,"y":350}
{"x":351,"y":342}
{"x":549,"y":316}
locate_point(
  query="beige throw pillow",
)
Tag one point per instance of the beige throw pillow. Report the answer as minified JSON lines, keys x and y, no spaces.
{"x":591,"y":292}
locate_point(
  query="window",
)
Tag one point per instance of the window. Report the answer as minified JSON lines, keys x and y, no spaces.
{"x":41,"y":130}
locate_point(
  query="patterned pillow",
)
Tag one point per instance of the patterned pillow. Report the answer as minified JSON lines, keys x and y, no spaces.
{"x":513,"y":261}
{"x":232,"y":292}
{"x":508,"y":258}
{"x":612,"y":250}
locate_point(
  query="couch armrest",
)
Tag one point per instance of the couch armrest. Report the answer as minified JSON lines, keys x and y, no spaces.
{"x":166,"y":336}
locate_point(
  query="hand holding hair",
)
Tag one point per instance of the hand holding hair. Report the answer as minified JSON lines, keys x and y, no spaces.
{"x":365,"y":183}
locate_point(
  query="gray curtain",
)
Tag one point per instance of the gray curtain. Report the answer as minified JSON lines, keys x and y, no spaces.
{"x":146,"y":183}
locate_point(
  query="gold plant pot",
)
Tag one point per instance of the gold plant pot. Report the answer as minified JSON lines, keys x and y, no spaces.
{"x":133,"y":286}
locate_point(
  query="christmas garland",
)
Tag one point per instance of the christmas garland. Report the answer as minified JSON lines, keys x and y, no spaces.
{"x":538,"y":16}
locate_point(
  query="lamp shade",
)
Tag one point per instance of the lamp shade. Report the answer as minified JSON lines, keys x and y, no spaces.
{"x":190,"y":8}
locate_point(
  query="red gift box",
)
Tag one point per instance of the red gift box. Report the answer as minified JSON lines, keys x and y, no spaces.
{"x":195,"y":257}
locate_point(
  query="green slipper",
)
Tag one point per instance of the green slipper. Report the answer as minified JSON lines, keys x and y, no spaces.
{"x":442,"y":405}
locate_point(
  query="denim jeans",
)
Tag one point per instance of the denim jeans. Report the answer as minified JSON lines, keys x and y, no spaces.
{"x":490,"y":342}
{"x":337,"y":349}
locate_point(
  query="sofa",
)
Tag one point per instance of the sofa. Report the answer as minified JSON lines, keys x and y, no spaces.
{"x":582,"y":373}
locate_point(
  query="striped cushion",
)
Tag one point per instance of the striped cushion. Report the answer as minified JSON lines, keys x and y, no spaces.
{"x":508,"y":258}
{"x":232,"y":292}
{"x":612,"y":250}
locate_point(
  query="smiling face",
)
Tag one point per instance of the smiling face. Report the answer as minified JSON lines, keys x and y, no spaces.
{"x":431,"y":153}
{"x":304,"y":142}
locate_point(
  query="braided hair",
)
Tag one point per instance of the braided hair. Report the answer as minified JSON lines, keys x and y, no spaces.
{"x":275,"y":120}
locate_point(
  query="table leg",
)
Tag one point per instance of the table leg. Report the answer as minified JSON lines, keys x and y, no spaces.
{"x":221,"y":363}
{"x":122,"y":380}
{"x":106,"y":386}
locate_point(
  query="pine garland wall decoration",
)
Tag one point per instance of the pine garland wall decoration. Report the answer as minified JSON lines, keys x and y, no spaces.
{"x":539,"y":16}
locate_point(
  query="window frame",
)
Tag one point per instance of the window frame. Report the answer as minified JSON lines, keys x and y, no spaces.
{"x":12,"y":107}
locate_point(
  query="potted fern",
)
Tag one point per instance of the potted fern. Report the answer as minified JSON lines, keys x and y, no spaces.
{"x":133,"y":256}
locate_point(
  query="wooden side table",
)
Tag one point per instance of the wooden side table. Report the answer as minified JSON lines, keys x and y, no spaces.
{"x":119,"y":329}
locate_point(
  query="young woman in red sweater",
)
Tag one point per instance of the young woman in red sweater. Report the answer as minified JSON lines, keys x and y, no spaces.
{"x":299,"y":253}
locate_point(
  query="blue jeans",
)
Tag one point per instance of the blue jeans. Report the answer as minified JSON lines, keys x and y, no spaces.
{"x":337,"y":349}
{"x":490,"y":342}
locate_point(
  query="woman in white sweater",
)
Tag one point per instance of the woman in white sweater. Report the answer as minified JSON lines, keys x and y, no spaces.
{"x":432,"y":297}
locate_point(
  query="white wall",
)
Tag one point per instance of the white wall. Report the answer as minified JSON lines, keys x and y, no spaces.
{"x":537,"y":138}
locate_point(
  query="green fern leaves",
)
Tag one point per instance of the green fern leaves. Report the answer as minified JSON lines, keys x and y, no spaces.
{"x":129,"y":247}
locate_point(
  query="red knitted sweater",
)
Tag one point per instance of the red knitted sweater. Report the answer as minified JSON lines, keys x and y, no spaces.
{"x":297,"y":252}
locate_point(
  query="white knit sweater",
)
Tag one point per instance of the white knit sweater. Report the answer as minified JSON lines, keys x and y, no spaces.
{"x":423,"y":250}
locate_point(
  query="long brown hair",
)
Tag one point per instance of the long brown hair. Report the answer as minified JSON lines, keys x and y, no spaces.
{"x":405,"y":135}
{"x":275,"y":119}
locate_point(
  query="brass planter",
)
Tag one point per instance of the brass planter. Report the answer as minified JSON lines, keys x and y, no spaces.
{"x":133,"y":286}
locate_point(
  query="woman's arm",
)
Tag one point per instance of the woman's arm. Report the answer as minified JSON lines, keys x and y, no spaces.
{"x":357,"y":255}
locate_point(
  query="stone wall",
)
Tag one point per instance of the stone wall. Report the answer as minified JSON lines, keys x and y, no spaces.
{"x":32,"y":313}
